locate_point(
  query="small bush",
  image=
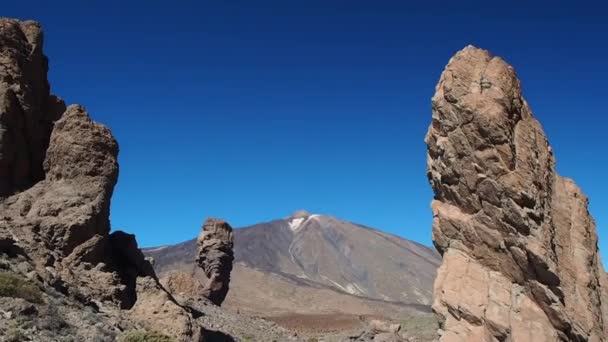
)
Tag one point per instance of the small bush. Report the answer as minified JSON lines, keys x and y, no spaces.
{"x":423,"y":326}
{"x":14,"y":286}
{"x":52,"y":320}
{"x":145,"y":336}
{"x":15,"y":335}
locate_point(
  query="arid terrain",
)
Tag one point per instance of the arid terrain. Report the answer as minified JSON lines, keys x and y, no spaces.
{"x":313,"y":272}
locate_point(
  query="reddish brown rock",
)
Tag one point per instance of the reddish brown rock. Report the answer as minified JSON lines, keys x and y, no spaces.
{"x":520,"y":256}
{"x":183,"y":284}
{"x":157,"y":310}
{"x":215,"y":256}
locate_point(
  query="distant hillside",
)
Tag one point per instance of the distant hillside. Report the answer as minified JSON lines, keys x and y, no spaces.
{"x":316,"y":263}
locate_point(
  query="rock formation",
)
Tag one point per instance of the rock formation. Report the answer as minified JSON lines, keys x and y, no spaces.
{"x":520,"y":255}
{"x":215,"y":257}
{"x":28,"y":109}
{"x":58,"y":169}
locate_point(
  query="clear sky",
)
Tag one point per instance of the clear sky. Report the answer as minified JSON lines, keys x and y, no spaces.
{"x":250,"y":110}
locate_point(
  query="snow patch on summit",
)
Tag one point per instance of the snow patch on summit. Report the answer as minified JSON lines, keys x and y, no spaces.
{"x":295,"y":223}
{"x":299,"y":221}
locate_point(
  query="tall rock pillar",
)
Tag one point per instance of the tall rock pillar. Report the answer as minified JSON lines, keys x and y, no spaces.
{"x":215,"y":256}
{"x":520,"y":255}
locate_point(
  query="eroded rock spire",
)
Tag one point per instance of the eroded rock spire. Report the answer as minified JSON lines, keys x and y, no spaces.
{"x":520,"y":255}
{"x":215,"y":256}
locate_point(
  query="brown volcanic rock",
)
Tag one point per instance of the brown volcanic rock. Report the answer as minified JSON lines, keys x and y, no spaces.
{"x":62,"y":222}
{"x":215,"y":256}
{"x":27,"y":108}
{"x":58,"y":170}
{"x":184,"y":284}
{"x":157,"y":310}
{"x":520,"y":256}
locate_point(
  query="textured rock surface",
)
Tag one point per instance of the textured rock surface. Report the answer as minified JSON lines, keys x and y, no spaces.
{"x":26,"y":106}
{"x":184,"y":284}
{"x":58,"y":169}
{"x":215,"y":256}
{"x":520,"y":256}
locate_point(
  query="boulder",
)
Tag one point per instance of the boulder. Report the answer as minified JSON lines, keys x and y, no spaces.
{"x":182,"y":284}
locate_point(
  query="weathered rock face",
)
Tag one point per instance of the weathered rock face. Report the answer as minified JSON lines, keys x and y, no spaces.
{"x":26,"y":106}
{"x":58,"y":169}
{"x":62,"y":221}
{"x":215,"y":257}
{"x":520,"y":255}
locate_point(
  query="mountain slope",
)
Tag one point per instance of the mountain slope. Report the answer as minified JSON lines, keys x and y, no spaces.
{"x":349,"y":257}
{"x":292,"y":256}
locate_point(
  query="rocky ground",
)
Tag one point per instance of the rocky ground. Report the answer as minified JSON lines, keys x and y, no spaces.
{"x":30,"y":310}
{"x":33,"y":311}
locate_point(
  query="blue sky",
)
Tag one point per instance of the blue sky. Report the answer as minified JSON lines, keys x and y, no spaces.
{"x":250,"y":110}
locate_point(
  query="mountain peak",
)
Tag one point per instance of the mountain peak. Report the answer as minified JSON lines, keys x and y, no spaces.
{"x":308,"y":251}
{"x":300,"y":214}
{"x":298,"y":219}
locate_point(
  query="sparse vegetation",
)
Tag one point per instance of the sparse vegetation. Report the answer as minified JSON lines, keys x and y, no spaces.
{"x":13,"y":334}
{"x":424,"y":325}
{"x":52,"y":320}
{"x":145,"y":336}
{"x":14,"y":286}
